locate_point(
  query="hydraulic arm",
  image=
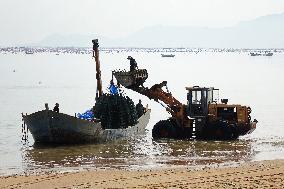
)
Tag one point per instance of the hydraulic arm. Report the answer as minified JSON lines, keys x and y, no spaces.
{"x":172,"y":105}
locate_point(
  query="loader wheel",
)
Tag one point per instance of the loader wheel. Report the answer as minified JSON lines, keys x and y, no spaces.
{"x":234,"y":131}
{"x":229,"y":132}
{"x":164,"y":129}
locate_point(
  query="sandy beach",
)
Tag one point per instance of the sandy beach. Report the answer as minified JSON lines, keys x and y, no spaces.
{"x":262,"y":174}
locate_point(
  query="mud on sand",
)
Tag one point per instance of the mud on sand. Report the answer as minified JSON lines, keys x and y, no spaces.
{"x":263,"y":174}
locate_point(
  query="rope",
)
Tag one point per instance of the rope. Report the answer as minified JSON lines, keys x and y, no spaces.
{"x":25,"y":131}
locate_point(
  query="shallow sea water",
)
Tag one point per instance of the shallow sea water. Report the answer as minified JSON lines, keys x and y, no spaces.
{"x":29,"y":81}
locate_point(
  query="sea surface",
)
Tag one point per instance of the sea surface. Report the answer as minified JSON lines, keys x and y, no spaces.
{"x":28,"y":81}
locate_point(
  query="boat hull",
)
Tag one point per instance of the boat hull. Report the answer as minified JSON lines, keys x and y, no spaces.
{"x":51,"y":127}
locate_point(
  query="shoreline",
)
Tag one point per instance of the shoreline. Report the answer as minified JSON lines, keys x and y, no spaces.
{"x":264,"y":174}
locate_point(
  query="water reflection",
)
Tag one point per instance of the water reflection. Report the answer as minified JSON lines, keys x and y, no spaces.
{"x":265,"y":143}
{"x":138,"y":153}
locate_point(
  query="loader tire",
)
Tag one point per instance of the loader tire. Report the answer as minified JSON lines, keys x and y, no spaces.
{"x":164,"y":129}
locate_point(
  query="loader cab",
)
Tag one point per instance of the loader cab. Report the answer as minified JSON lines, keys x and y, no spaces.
{"x":198,"y":99}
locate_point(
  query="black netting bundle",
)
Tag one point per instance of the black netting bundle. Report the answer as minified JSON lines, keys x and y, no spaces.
{"x":115,"y":111}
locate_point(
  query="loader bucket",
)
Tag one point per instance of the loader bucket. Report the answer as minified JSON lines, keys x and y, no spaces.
{"x":131,"y":79}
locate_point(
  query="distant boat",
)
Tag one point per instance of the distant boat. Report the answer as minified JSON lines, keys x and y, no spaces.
{"x":266,"y":53}
{"x":255,"y":54}
{"x":168,"y":55}
{"x":29,"y":51}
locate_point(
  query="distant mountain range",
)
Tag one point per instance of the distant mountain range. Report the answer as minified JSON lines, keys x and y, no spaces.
{"x":263,"y":32}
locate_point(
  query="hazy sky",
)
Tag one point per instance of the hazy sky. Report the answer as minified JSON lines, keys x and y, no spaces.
{"x":27,"y":21}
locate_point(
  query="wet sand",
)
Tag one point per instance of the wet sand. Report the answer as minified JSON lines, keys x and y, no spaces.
{"x":262,"y":174}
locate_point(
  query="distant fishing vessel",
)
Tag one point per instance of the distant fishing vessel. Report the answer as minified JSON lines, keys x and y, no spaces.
{"x":255,"y":54}
{"x":167,"y":55}
{"x":29,"y":51}
{"x":266,"y":53}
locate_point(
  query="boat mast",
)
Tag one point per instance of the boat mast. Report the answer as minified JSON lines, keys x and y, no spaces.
{"x":99,"y":91}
